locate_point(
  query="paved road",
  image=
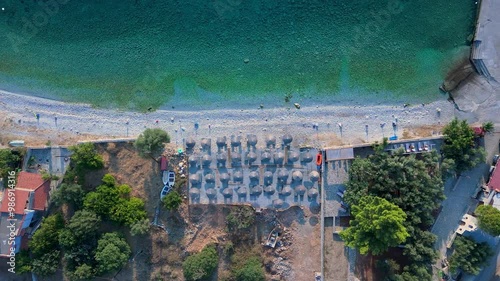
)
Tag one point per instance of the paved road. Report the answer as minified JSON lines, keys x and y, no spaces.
{"x":457,"y":202}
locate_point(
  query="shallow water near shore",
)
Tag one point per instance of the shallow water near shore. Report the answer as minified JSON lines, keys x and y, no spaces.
{"x":225,"y":53}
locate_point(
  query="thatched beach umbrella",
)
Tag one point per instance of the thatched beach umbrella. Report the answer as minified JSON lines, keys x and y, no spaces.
{"x":235,"y":157}
{"x":221,"y":142}
{"x":238,"y":176}
{"x":256,"y":190}
{"x":193,"y":160}
{"x":278,"y":203}
{"x":210,"y":178}
{"x":235,"y":141}
{"x":314,"y":176}
{"x":269,"y":189}
{"x":266,"y":156}
{"x":252,"y":156}
{"x":293,"y":156}
{"x":300,"y":190}
{"x":279,"y":157}
{"x":307,"y":157}
{"x":287,"y":139}
{"x":254,"y":175}
{"x":286,"y":191}
{"x":270,"y":140}
{"x":190,"y":143}
{"x":313,"y":193}
{"x":268,"y":176}
{"x":194,"y":179}
{"x":297,"y":176}
{"x":211,"y":192}
{"x":251,"y":140}
{"x":242,"y":191}
{"x":206,"y":143}
{"x":283,"y":175}
{"x":224,"y":177}
{"x":228,"y":192}
{"x":221,"y":157}
{"x":194,"y":192}
{"x":206,"y":159}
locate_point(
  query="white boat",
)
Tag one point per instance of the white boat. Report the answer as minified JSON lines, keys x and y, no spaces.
{"x":166,"y":189}
{"x":168,"y":178}
{"x":17,"y":143}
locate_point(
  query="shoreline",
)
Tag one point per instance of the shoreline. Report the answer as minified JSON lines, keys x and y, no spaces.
{"x":81,"y":121}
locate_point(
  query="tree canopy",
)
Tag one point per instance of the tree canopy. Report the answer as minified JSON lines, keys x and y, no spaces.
{"x":85,"y":157}
{"x":47,"y":264}
{"x":84,"y":224}
{"x":489,"y":219}
{"x":459,"y":145}
{"x":413,"y":184}
{"x":251,"y":270}
{"x":469,"y":255}
{"x":140,"y":227}
{"x":68,"y":193}
{"x":376,"y":226}
{"x":151,"y":142}
{"x":45,"y":238}
{"x":202,"y":265}
{"x":240,"y":217}
{"x":112,"y":252}
{"x":172,"y":201}
{"x":8,"y":161}
{"x":128,"y":211}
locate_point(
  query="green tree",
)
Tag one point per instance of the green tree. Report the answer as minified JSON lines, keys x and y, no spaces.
{"x":469,"y":255}
{"x":252,"y":270}
{"x":488,"y":127}
{"x":128,"y":211}
{"x":140,"y":227}
{"x":459,"y":145}
{"x":84,"y":224}
{"x":47,"y":264}
{"x":489,"y":219}
{"x":68,"y":193}
{"x":8,"y":160}
{"x":45,"y":238}
{"x":377,"y":225}
{"x":151,"y":142}
{"x":172,"y":201}
{"x":202,"y":265}
{"x":85,"y":157}
{"x":112,"y":252}
{"x":82,"y":272}
{"x":23,"y":262}
{"x":102,"y":200}
{"x":240,"y":218}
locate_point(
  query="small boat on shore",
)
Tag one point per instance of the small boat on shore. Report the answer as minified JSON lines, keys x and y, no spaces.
{"x":168,"y":178}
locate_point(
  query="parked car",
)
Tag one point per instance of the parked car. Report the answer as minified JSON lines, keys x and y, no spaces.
{"x":495,"y":159}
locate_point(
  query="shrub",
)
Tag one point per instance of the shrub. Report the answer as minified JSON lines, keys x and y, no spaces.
{"x":201,"y":265}
{"x":172,"y":201}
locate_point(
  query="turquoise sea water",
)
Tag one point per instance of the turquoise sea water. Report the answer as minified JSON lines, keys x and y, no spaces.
{"x":141,"y":53}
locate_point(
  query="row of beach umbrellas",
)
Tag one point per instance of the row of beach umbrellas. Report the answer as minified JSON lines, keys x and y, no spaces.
{"x":257,"y":190}
{"x":297,"y":176}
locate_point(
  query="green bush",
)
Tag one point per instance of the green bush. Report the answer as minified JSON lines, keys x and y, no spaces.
{"x":85,"y":157}
{"x":45,"y":239}
{"x":172,"y":201}
{"x":240,"y":217}
{"x":47,"y":264}
{"x":252,"y":270}
{"x":489,"y":219}
{"x":201,"y":265}
{"x":112,"y":252}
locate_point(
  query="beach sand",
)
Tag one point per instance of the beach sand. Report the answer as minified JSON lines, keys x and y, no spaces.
{"x":64,"y":123}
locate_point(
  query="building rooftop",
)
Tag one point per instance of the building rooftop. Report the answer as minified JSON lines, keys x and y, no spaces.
{"x":494,"y":182}
{"x":468,"y":223}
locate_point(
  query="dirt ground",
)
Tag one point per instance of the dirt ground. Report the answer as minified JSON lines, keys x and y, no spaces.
{"x":159,"y":255}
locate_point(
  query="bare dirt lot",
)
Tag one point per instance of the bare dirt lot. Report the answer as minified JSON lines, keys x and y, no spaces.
{"x":159,"y":255}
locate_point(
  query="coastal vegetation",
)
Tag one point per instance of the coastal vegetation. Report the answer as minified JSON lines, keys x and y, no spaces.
{"x":377,"y":224}
{"x":172,"y":201}
{"x":151,"y":142}
{"x":489,"y":219}
{"x":202,"y":265}
{"x":460,"y":147}
{"x":468,"y":255}
{"x":414,"y":185}
{"x":9,"y":159}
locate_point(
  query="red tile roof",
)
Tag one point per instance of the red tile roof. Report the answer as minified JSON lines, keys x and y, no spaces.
{"x":20,"y":196}
{"x":29,"y":181}
{"x":494,"y":182}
